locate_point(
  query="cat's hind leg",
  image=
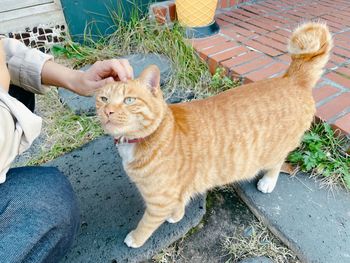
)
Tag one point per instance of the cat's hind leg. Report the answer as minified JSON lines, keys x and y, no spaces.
{"x":268,"y":182}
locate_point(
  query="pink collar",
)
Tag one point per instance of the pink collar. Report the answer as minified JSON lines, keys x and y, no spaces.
{"x":122,"y":140}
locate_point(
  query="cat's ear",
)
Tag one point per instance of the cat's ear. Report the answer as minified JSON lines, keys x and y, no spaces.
{"x":150,"y":77}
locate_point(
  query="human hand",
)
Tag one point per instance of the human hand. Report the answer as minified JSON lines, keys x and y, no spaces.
{"x":100,"y":74}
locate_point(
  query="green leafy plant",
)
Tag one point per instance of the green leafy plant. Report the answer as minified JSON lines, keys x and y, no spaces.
{"x":220,"y":81}
{"x":323,"y":153}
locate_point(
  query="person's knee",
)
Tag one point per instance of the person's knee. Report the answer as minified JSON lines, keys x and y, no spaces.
{"x":57,"y":199}
{"x":46,"y":207}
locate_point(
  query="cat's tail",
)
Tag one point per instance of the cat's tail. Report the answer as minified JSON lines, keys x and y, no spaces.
{"x":309,"y":47}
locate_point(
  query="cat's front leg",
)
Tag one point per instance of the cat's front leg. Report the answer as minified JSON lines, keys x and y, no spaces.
{"x":150,"y":221}
{"x":177,"y":214}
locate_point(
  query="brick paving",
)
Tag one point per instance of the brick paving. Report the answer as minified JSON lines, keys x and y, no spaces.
{"x":252,"y":43}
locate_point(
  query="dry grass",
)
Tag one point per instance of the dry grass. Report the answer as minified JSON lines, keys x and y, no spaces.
{"x":259,"y":242}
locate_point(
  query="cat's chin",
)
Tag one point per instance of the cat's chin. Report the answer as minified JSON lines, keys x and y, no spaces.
{"x":111,"y":130}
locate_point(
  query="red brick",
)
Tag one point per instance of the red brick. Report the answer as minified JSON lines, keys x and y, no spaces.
{"x":265,"y":8}
{"x":333,"y":19}
{"x":245,"y":13}
{"x":335,"y":25}
{"x":172,"y":11}
{"x":267,"y":72}
{"x":343,"y":123}
{"x":345,"y":71}
{"x":212,"y":64}
{"x":222,"y":23}
{"x":265,"y":49}
{"x":278,"y":37}
{"x":272,"y":43}
{"x":338,"y":60}
{"x":228,"y":18}
{"x":291,"y":17}
{"x":252,"y":65}
{"x":341,"y":52}
{"x":223,"y":4}
{"x":324,"y":92}
{"x":229,"y":53}
{"x":330,"y":65}
{"x":252,"y":28}
{"x":284,"y":33}
{"x":271,"y":21}
{"x":208,"y":42}
{"x":232,"y":34}
{"x":273,"y":8}
{"x":160,"y":13}
{"x":339,"y":79}
{"x":275,"y":17}
{"x":260,"y":23}
{"x":286,"y":58}
{"x":232,"y":2}
{"x":237,"y":15}
{"x":334,"y":107}
{"x":219,"y":48}
{"x":202,"y":55}
{"x":251,"y":9}
{"x":233,"y":30}
{"x":241,"y":59}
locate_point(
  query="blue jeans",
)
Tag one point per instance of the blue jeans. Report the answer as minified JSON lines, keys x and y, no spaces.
{"x":39,"y":215}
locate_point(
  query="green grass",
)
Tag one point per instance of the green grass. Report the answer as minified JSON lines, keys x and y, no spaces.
{"x":323,"y":154}
{"x":63,"y":131}
{"x":144,"y":36}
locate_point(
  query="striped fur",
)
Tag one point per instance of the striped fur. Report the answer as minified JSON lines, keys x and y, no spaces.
{"x":191,"y":147}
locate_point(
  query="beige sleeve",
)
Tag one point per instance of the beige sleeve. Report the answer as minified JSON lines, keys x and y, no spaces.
{"x":25,"y":65}
{"x":7,"y":151}
{"x":19,"y":127}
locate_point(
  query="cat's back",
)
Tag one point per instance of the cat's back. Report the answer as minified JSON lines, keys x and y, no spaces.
{"x":253,"y":103}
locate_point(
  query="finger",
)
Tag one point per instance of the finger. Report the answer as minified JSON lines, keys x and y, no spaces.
{"x":104,"y":82}
{"x":95,"y":85}
{"x":118,"y":69}
{"x":129,"y":70}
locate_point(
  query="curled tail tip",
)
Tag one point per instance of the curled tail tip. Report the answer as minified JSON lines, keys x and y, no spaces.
{"x":310,"y":38}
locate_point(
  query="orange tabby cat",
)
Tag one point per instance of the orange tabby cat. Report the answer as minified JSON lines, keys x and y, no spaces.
{"x":173,"y":152}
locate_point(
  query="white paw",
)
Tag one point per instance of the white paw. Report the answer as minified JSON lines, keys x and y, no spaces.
{"x":129,"y":241}
{"x":171,"y":220}
{"x":266,"y":185}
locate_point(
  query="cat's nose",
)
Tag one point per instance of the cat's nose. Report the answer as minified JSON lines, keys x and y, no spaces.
{"x":109,"y":111}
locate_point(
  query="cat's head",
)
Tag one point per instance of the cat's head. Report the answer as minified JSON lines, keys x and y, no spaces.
{"x":133,"y":109}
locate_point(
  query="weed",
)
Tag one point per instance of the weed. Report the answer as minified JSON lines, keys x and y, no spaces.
{"x":220,"y":81}
{"x":322,"y":153}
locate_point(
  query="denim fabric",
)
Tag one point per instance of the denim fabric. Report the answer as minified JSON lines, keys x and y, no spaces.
{"x":39,"y":215}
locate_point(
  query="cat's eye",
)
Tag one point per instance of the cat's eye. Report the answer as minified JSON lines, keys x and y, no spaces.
{"x":104,"y":99}
{"x":129,"y":100}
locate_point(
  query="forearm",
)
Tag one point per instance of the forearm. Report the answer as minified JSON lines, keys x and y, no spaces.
{"x":54,"y":74}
